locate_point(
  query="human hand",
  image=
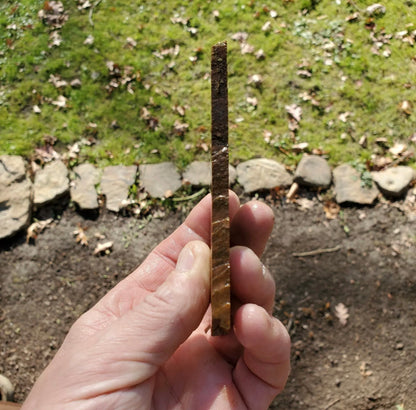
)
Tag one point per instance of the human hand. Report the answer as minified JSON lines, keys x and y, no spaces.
{"x":147,"y":343}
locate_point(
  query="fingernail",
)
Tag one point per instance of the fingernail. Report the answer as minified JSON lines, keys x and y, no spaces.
{"x":185,"y":260}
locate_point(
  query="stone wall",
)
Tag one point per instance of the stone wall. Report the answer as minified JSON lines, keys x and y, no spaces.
{"x":19,"y":195}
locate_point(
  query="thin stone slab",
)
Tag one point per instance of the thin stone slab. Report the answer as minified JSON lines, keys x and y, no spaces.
{"x":51,"y":182}
{"x":198,"y":173}
{"x":348,"y":187}
{"x":115,"y":184}
{"x":262,"y":173}
{"x":83,"y":191}
{"x":313,"y":171}
{"x":15,"y":195}
{"x":394,"y":182}
{"x":160,"y":180}
{"x":12,"y":169}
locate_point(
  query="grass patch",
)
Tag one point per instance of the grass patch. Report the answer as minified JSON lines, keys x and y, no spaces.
{"x":349,"y":76}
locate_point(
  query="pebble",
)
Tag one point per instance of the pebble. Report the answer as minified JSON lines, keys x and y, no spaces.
{"x":348,"y":186}
{"x":198,"y":173}
{"x":15,"y":195}
{"x":262,"y":173}
{"x":51,"y":182}
{"x":160,"y":180}
{"x":115,"y":184}
{"x":394,"y":182}
{"x":313,"y":171}
{"x":83,"y":192}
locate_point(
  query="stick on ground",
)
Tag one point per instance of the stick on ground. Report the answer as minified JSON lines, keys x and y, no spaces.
{"x":220,"y":231}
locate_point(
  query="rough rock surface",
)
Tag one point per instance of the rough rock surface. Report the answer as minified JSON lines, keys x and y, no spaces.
{"x":15,"y":195}
{"x":262,"y":173}
{"x":198,"y":173}
{"x":115,"y":184}
{"x":313,"y":171}
{"x":51,"y":182}
{"x":159,"y":180}
{"x":83,"y":191}
{"x":232,"y":174}
{"x":348,"y":186}
{"x":394,"y":181}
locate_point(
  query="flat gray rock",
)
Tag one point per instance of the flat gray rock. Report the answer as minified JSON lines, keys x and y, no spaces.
{"x":232,"y":174}
{"x":198,"y":173}
{"x":12,"y":169}
{"x":83,"y":192}
{"x":51,"y":182}
{"x":348,"y":187}
{"x":313,"y":171}
{"x":160,"y":180}
{"x":394,"y":181}
{"x":115,"y":184}
{"x":262,"y":173}
{"x":15,"y":195}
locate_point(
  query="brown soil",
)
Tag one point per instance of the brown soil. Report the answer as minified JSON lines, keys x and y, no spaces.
{"x":370,"y":363}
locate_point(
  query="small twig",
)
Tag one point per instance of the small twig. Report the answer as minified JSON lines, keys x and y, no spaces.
{"x":190,"y":197}
{"x":292,"y":192}
{"x":92,"y":11}
{"x":317,"y":251}
{"x":332,"y":404}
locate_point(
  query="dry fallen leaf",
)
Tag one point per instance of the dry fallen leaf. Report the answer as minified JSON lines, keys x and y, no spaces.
{"x":131,"y":43}
{"x":255,"y":79}
{"x":180,"y":110}
{"x":294,"y":111}
{"x":341,"y":312}
{"x":344,"y":116}
{"x":103,"y":248}
{"x":55,"y":39}
{"x":331,"y":209}
{"x":60,"y":102}
{"x":405,"y":107}
{"x":267,"y":135}
{"x":99,"y":235}
{"x":80,"y":235}
{"x":397,"y":149}
{"x":266,"y":26}
{"x":56,"y":81}
{"x":36,"y":109}
{"x":46,"y":153}
{"x":180,"y":127}
{"x":364,"y":370}
{"x":305,"y":203}
{"x":246,"y":48}
{"x":89,"y":41}
{"x":302,"y":146}
{"x":260,"y":54}
{"x":252,"y":101}
{"x":240,"y":36}
{"x":36,"y":228}
{"x":352,"y":17}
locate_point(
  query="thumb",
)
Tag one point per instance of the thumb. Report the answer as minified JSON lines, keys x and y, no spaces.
{"x":151,"y":332}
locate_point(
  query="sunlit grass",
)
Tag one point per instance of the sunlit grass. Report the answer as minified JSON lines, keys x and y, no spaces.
{"x":346,"y":77}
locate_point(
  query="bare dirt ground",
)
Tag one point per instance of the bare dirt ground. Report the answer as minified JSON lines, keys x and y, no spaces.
{"x":369,"y":363}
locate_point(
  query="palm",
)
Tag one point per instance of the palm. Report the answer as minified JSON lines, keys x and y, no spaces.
{"x":136,"y":348}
